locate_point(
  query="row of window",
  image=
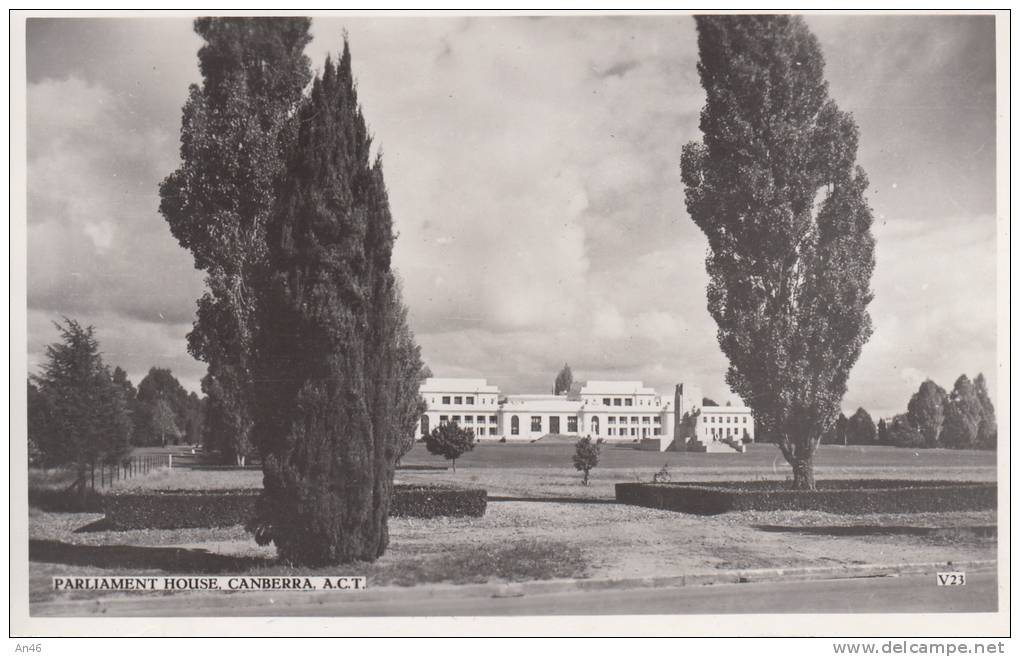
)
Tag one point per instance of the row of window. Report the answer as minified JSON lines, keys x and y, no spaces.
{"x":730,"y":431}
{"x":536,"y":424}
{"x":462,"y":399}
{"x":468,"y":419}
{"x":717,"y":419}
{"x":612,"y":431}
{"x":634,"y":419}
{"x":621,"y":401}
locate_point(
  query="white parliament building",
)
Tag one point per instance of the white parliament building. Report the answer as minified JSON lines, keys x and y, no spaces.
{"x":615,"y":411}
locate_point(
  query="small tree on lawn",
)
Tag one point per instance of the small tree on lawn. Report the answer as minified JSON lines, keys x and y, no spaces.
{"x":450,"y":441}
{"x":586,"y":456}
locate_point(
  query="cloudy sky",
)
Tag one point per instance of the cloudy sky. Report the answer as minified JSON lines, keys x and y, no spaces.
{"x":533,"y":170}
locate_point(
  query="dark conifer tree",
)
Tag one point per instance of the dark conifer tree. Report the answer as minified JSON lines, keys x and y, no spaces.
{"x":87,"y":422}
{"x":335,"y":371}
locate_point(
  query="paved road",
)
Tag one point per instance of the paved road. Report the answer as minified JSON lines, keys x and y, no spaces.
{"x":911,"y":594}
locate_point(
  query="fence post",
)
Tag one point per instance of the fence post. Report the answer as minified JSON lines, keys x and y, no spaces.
{"x":170,"y":461}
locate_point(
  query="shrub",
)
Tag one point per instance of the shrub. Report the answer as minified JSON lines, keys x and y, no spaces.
{"x":834,"y":496}
{"x":450,"y":441}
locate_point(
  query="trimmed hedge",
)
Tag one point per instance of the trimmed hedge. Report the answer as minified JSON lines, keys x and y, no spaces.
{"x":176,"y":509}
{"x":433,"y":501}
{"x":831,"y":496}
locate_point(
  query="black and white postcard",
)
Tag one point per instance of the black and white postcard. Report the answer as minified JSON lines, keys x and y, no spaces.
{"x":530,"y":322}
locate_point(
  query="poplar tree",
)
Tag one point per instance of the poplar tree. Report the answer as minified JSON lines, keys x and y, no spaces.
{"x":233,"y":133}
{"x":774,"y":186}
{"x":336,"y":369}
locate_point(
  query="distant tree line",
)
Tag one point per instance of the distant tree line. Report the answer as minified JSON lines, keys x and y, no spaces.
{"x":82,"y":413}
{"x":961,"y":419}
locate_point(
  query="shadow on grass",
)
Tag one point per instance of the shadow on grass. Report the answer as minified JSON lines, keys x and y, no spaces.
{"x":555,"y":500}
{"x":979,"y":531}
{"x":147,"y":558}
{"x":101,"y":525}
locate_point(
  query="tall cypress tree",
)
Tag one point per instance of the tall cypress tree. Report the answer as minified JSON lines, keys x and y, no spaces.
{"x":336,"y":377}
{"x":233,"y":134}
{"x":774,"y":187}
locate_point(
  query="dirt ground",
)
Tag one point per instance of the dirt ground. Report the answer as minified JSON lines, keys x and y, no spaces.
{"x":525,"y":540}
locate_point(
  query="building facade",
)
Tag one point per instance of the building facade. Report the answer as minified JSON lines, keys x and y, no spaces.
{"x":615,"y":411}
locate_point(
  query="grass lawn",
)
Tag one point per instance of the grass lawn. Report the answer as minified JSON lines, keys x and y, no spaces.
{"x":545,"y":470}
{"x":760,"y":457}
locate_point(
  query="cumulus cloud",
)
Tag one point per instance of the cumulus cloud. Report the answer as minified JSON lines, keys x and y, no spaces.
{"x":533,"y":171}
{"x":97,"y":245}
